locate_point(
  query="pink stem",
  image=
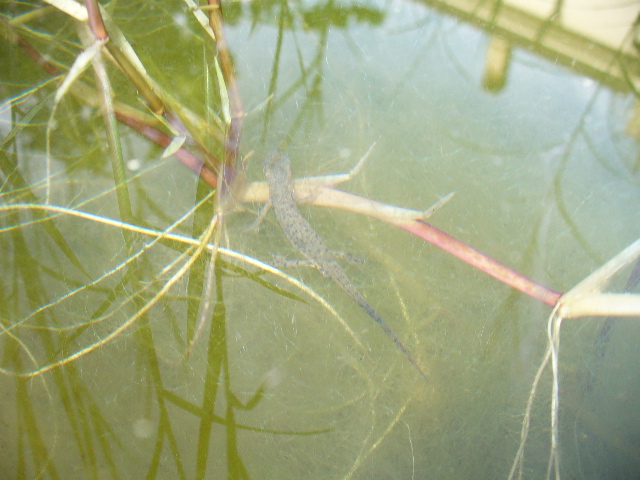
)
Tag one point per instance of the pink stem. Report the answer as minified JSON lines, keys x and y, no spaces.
{"x":481,"y":261}
{"x":185,"y":156}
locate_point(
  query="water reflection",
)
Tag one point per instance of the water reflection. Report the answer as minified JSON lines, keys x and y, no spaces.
{"x":274,"y":387}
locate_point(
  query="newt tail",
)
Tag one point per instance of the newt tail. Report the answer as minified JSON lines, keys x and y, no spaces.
{"x":277,"y":170}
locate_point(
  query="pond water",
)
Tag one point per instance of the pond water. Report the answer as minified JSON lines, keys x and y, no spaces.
{"x":545,"y":172}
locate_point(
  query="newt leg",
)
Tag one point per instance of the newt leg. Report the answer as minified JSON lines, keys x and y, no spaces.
{"x":331,"y":180}
{"x":263,"y":213}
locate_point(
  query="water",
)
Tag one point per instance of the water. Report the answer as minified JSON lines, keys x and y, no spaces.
{"x":546,"y":181}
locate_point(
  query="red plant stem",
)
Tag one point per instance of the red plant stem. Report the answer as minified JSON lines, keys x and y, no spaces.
{"x":99,"y":30}
{"x":163,"y":140}
{"x":96,"y":23}
{"x":37,"y":57}
{"x":481,"y":261}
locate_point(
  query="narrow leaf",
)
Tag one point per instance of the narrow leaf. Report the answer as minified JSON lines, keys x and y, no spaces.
{"x":174,"y":146}
{"x":79,"y":66}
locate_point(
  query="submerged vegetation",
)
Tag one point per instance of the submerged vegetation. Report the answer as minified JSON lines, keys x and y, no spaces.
{"x":127,"y":299}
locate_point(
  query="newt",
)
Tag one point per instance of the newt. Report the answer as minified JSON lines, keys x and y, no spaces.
{"x":277,"y":170}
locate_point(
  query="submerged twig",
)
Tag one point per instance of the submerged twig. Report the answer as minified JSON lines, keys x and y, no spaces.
{"x":585,"y":299}
{"x":411,"y":221}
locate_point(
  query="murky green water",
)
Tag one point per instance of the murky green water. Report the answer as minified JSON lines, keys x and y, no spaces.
{"x":546,"y":181}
